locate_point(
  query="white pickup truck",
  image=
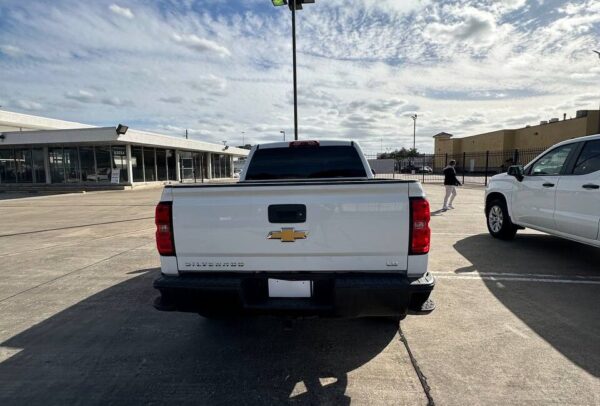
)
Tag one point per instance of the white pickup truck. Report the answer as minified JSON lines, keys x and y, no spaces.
{"x":306,"y":231}
{"x":557,"y":193}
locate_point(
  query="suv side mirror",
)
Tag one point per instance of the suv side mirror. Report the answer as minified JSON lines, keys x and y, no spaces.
{"x":517,"y":171}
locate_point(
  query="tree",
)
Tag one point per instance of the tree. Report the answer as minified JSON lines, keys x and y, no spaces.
{"x":400,"y":154}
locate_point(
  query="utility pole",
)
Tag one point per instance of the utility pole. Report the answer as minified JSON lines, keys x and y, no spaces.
{"x":186,"y":134}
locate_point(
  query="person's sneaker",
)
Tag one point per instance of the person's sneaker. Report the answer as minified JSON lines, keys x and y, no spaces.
{"x":450,"y":207}
{"x":444,"y":208}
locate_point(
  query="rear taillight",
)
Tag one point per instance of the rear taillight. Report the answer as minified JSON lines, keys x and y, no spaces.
{"x":164,"y":228}
{"x":420,"y":234}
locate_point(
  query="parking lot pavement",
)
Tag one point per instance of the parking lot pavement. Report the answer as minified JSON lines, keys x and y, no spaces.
{"x":516,"y":322}
{"x":78,"y":324}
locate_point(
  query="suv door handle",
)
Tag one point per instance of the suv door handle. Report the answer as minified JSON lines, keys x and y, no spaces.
{"x":591,"y":186}
{"x":548,"y":185}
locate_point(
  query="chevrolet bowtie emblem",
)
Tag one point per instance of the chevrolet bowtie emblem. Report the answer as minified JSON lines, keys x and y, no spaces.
{"x":287,"y":235}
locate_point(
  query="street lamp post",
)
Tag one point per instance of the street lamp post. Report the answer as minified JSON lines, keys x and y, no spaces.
{"x":243,"y":138}
{"x":294,"y":5}
{"x":414,"y":117}
{"x":282,"y":132}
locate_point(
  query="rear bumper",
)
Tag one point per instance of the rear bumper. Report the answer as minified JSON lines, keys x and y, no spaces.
{"x":334,"y":294}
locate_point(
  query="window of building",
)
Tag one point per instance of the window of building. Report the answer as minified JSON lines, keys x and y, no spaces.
{"x":120,"y":162}
{"x":161,"y":164}
{"x":149,"y":164}
{"x":39,"y":169}
{"x":88,"y":164}
{"x":171,"y":167}
{"x":103,"y":164}
{"x":137,"y":163}
{"x":8,"y":169}
{"x":71,"y":161}
{"x":57,"y":167}
{"x":24,"y":165}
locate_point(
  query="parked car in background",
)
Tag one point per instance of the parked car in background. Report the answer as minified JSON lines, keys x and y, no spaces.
{"x":557,"y":193}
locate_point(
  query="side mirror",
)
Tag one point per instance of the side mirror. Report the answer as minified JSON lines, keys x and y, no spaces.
{"x":517,"y":171}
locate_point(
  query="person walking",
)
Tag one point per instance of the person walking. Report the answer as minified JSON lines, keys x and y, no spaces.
{"x":450,"y":183}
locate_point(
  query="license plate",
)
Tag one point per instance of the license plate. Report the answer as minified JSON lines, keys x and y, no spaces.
{"x":293,"y":289}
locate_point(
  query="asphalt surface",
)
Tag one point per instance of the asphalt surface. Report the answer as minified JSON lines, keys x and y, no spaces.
{"x":516,"y":322}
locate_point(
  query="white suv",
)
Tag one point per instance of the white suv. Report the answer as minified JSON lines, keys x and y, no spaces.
{"x":557,"y":193}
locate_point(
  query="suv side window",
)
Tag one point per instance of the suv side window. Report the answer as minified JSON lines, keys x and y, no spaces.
{"x":553,"y":162}
{"x":589,"y":159}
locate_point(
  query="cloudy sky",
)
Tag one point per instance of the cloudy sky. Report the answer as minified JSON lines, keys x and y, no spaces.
{"x":219,"y":67}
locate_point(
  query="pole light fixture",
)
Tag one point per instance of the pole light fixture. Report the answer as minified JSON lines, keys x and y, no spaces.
{"x":122,"y":129}
{"x":293,"y":6}
{"x":414,"y":117}
{"x":282,"y":132}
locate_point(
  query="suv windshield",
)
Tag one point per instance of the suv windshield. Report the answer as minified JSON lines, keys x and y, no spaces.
{"x":306,"y":163}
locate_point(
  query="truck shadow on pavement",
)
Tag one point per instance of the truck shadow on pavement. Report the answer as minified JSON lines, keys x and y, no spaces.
{"x":564,"y":314}
{"x":115,"y":348}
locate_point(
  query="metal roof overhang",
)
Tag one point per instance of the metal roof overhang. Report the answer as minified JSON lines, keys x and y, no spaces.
{"x":108,"y":135}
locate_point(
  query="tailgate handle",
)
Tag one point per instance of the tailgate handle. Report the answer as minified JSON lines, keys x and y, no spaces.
{"x":287,"y":213}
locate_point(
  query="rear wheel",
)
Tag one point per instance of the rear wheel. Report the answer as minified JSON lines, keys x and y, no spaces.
{"x":498,"y":221}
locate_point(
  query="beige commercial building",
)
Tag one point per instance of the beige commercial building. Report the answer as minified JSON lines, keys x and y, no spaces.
{"x":541,"y":136}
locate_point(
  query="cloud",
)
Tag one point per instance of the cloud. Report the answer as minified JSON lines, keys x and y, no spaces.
{"x":29,"y":105}
{"x":81,"y":96}
{"x":11,"y":50}
{"x":210,"y":84}
{"x":121,"y":11}
{"x":201,"y":45}
{"x":116,"y":102}
{"x":475,"y":27}
{"x":464,"y":66}
{"x":172,"y":99}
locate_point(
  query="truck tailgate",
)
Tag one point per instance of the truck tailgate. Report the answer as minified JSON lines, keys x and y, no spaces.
{"x":349,"y":226}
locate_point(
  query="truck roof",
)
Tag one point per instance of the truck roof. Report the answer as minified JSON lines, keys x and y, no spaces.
{"x":324,"y":143}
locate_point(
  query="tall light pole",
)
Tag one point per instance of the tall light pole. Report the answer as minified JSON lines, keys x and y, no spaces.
{"x":282,"y":132}
{"x":414,"y":117}
{"x":293,"y":5}
{"x":243,"y":138}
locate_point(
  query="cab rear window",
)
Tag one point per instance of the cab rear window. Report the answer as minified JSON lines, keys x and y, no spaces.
{"x":312,"y":162}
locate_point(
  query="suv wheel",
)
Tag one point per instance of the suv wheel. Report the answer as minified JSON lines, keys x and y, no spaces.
{"x":498,"y":221}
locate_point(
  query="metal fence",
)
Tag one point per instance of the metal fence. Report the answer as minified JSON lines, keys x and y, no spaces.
{"x":471,"y":168}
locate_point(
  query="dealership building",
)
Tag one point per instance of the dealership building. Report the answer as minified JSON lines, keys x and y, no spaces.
{"x":42,"y":151}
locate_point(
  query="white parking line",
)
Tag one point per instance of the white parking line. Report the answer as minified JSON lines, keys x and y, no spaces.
{"x":516,"y":279}
{"x":523,"y":275}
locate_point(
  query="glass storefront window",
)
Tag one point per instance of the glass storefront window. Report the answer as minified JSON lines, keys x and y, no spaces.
{"x":23,"y":165}
{"x":39,"y":170}
{"x":137,"y":163}
{"x":8,"y":169}
{"x":171,"y":167}
{"x":198,"y":166}
{"x":149,"y":165}
{"x":120,"y":162}
{"x":57,"y":168}
{"x":103,"y":165}
{"x":71,"y":160}
{"x":161,"y":164}
{"x":88,"y":164}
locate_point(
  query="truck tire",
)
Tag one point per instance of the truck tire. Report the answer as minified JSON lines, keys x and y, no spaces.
{"x":498,"y":220}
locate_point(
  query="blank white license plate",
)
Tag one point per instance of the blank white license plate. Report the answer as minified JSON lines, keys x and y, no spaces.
{"x":281,"y":288}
